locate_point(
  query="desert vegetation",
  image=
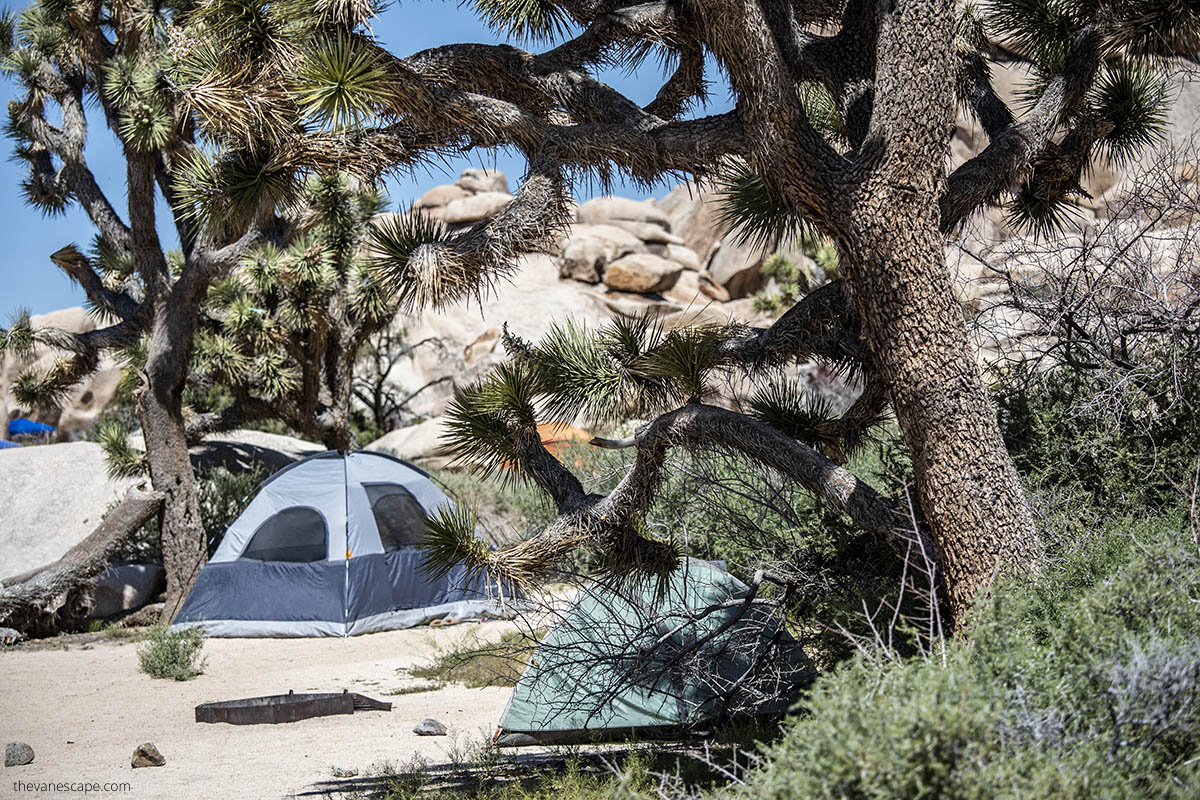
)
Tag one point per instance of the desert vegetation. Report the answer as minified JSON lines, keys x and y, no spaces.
{"x":966,"y":522}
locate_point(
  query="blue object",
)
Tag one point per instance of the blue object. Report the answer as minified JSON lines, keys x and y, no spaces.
{"x":27,"y":427}
{"x":5,"y":445}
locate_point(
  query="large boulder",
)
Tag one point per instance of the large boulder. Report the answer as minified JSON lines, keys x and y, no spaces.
{"x":440,"y":196}
{"x":611,"y":209}
{"x":474,"y":208}
{"x":736,"y":267}
{"x":84,"y":401}
{"x":126,"y":587}
{"x":588,"y":249}
{"x":529,"y":300}
{"x":53,"y":496}
{"x":243,"y":450}
{"x":483,"y":180}
{"x":642,"y":272}
{"x":421,"y":442}
{"x":695,"y":218}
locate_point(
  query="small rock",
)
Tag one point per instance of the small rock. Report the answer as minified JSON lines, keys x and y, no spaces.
{"x":338,"y":772}
{"x":10,"y":636}
{"x":712,"y":289}
{"x":642,"y":272}
{"x":484,"y":345}
{"x":147,"y":755}
{"x":430,"y":727}
{"x":517,"y":740}
{"x":17,"y":754}
{"x":483,"y":180}
{"x":681,"y":254}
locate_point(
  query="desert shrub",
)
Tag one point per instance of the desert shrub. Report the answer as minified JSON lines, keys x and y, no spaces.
{"x":1120,"y":443}
{"x":172,"y":654}
{"x":1082,"y":682}
{"x":475,"y":663}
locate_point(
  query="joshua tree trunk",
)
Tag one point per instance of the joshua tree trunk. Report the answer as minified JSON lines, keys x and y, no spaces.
{"x":968,"y":486}
{"x":898,"y":281}
{"x":160,"y":408}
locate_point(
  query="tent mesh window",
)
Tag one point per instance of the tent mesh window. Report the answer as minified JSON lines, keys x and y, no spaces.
{"x":398,"y":516}
{"x":294,"y":534}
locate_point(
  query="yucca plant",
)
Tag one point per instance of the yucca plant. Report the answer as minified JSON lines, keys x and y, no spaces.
{"x":281,"y":334}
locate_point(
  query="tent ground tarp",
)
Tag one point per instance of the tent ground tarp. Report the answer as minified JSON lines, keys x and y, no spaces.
{"x":627,"y":662}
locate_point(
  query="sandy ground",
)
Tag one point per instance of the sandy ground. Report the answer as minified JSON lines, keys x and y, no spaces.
{"x":84,"y":710}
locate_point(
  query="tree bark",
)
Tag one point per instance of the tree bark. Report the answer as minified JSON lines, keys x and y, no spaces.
{"x":898,"y":281}
{"x":160,"y":409}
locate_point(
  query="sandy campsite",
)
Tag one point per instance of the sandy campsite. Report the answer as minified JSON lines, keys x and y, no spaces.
{"x":85,"y":707}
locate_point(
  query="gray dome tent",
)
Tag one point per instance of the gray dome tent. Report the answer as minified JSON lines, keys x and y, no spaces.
{"x":328,"y":547}
{"x":626,"y":661}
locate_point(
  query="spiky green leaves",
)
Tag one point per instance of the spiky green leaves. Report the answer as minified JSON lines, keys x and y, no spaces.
{"x":1133,"y":99}
{"x":136,"y":90}
{"x":46,"y":388}
{"x":341,"y":83}
{"x":17,"y":339}
{"x":8,"y":32}
{"x":219,"y":356}
{"x":1042,"y":29}
{"x":756,"y":216}
{"x":486,"y":420}
{"x":226,"y":193}
{"x":122,"y":459}
{"x":450,"y":540}
{"x":410,"y":256}
{"x":629,"y":367}
{"x":524,"y":19}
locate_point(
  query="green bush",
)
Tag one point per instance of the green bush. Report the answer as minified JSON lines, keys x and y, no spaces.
{"x":1120,"y":442}
{"x":1084,"y":682}
{"x":224,"y":495}
{"x":174,"y":655}
{"x":477,"y":664}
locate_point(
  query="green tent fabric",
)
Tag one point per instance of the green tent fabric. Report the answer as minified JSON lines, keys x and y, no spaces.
{"x":628,"y":662}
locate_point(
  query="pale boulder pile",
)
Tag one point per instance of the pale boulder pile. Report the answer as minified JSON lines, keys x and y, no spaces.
{"x":676,"y":247}
{"x":477,"y":195}
{"x":83,"y":402}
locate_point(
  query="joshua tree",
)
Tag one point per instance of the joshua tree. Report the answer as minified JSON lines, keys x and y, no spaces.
{"x":279,"y":337}
{"x":112,"y":61}
{"x":894,"y":72}
{"x":283,"y":332}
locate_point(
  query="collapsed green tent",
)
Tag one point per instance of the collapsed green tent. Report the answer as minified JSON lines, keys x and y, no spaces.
{"x":626,"y":662}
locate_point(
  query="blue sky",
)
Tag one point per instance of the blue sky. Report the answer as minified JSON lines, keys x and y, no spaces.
{"x":29,"y":280}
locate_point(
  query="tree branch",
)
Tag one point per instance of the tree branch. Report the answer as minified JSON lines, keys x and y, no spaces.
{"x":609,"y":523}
{"x":1012,"y":151}
{"x":79,"y":269}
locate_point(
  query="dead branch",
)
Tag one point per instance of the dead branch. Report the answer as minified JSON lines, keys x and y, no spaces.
{"x":44,"y":600}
